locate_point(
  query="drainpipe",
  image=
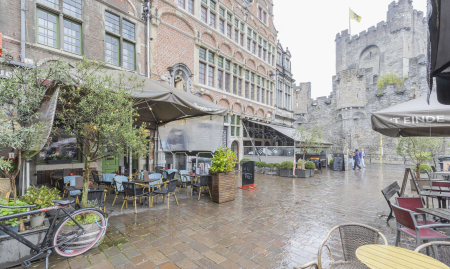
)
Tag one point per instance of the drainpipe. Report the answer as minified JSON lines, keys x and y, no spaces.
{"x":147,"y":43}
{"x":22,"y":30}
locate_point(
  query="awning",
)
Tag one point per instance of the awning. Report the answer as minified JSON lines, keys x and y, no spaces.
{"x":439,"y":48}
{"x":414,"y":118}
{"x":288,"y":131}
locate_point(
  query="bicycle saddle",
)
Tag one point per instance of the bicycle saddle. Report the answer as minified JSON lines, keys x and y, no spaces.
{"x":63,"y":202}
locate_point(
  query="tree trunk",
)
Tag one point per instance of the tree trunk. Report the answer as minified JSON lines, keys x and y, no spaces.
{"x":13,"y":176}
{"x":85,"y":184}
{"x":418,"y":171}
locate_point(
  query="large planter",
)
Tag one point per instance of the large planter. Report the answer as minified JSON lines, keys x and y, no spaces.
{"x":286,"y":172}
{"x":14,"y":253}
{"x":302,"y":173}
{"x":270,"y":171}
{"x":37,"y":220}
{"x":59,"y":161}
{"x":311,"y":172}
{"x":222,"y":187}
{"x":259,"y":170}
{"x":5,"y":185}
{"x":15,"y":229}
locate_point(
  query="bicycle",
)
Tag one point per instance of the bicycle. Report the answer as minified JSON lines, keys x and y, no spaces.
{"x":68,"y":238}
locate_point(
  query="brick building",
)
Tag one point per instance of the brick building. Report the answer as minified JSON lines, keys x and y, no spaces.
{"x":224,"y":51}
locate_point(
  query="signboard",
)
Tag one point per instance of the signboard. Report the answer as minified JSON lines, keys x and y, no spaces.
{"x":248,"y":173}
{"x":225,"y":137}
{"x":338,"y":163}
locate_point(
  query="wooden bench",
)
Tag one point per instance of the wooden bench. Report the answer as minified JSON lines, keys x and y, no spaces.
{"x":388,"y":193}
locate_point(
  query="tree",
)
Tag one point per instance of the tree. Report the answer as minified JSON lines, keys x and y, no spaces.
{"x":22,"y":92}
{"x":309,"y":138}
{"x":98,"y":110}
{"x":418,"y":149}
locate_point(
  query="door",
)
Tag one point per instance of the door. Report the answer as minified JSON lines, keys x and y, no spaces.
{"x":235,"y":149}
{"x":110,"y":164}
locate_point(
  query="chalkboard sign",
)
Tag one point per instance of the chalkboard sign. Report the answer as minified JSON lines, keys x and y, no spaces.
{"x":248,"y":173}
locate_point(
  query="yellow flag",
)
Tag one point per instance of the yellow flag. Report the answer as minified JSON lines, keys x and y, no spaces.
{"x":354,"y":16}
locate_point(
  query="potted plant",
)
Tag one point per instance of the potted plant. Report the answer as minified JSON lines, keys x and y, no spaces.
{"x":271,"y":169}
{"x":222,"y":175}
{"x":58,"y":159}
{"x":7,"y":166}
{"x":301,"y":171}
{"x":41,"y":197}
{"x":310,"y":166}
{"x":277,"y":168}
{"x":286,"y":169}
{"x":260,"y":167}
{"x":12,"y":224}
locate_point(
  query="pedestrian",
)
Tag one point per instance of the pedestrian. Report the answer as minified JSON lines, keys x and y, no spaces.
{"x":350,"y":158}
{"x":356,"y":160}
{"x":362,"y":157}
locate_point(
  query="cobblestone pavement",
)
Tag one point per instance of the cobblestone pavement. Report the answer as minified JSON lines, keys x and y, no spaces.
{"x":277,"y":226}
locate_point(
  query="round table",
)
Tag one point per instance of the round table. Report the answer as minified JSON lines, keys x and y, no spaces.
{"x":382,"y":256}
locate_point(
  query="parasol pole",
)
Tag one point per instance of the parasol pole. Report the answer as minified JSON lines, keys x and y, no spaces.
{"x":381,"y":149}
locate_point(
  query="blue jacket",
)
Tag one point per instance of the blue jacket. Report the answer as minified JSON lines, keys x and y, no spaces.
{"x":356,"y":157}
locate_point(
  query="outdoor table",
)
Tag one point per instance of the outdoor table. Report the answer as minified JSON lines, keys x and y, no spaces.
{"x":382,"y":256}
{"x":436,"y":188}
{"x":445,"y":174}
{"x":442,"y":213}
{"x":108,"y":177}
{"x":436,"y":194}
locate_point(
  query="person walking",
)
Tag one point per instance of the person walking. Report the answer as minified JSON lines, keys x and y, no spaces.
{"x":362,"y":157}
{"x":350,"y":159}
{"x":356,"y":160}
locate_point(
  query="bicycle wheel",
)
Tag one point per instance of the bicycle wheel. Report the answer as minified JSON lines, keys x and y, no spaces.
{"x":69,"y":238}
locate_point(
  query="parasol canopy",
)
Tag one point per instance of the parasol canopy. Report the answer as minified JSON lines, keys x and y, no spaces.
{"x":414,"y":118}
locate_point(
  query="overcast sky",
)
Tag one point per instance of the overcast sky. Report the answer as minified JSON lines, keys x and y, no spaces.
{"x":308,"y":29}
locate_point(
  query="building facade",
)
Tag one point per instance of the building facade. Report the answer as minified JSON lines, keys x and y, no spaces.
{"x":285,"y":87}
{"x":395,"y":46}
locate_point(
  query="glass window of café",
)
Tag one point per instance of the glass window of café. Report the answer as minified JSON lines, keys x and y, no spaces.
{"x":60,"y":146}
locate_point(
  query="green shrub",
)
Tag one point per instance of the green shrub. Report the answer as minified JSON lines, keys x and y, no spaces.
{"x":258,"y":164}
{"x":287,"y":165}
{"x":310,"y":165}
{"x":277,"y":165}
{"x":390,"y":78}
{"x":263,"y":164}
{"x":270,"y":165}
{"x":223,"y":161}
{"x":242,"y":161}
{"x":331,"y":161}
{"x":9,"y":211}
{"x":423,"y":166}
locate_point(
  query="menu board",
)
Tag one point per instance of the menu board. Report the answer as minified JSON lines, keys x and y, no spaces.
{"x":248,"y":173}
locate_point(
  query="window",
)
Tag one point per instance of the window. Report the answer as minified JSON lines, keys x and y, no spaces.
{"x":51,"y":3}
{"x":229,"y":31}
{"x":234,"y":85}
{"x":249,"y":43}
{"x":257,"y":94}
{"x":227,"y":82}
{"x":222,"y":26}
{"x":264,"y":54}
{"x":220,"y":62}
{"x":210,"y":57}
{"x":212,"y":20}
{"x":112,"y":50}
{"x":222,"y":12}
{"x":253,"y":47}
{"x":72,"y":7}
{"x":242,"y":39}
{"x":236,"y":36}
{"x":211,"y":76}
{"x":128,"y":55}
{"x":229,"y":17}
{"x":236,"y":23}
{"x":205,"y":1}
{"x":259,"y":51}
{"x":262,"y":95}
{"x":212,"y":4}
{"x":232,"y":129}
{"x":72,"y":37}
{"x":252,"y":92}
{"x":260,"y":13}
{"x":279,"y":59}
{"x":202,"y":74}
{"x":246,"y":89}
{"x":47,"y":28}
{"x":227,"y":65}
{"x":220,"y":79}
{"x":128,"y":30}
{"x":202,"y":54}
{"x":239,"y":87}
{"x":191,"y":6}
{"x":181,"y":3}
{"x":204,"y":15}
{"x":264,"y":17}
{"x":112,"y":22}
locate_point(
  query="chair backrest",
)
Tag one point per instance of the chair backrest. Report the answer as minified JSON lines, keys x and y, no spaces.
{"x":66,"y":172}
{"x":440,"y":250}
{"x":172,"y":186}
{"x":440,"y":184}
{"x":170,"y":176}
{"x":414,"y":180}
{"x":133,"y":170}
{"x":129,"y":188}
{"x":410,"y":203}
{"x":434,"y":169}
{"x":391,"y":190}
{"x":428,"y":173}
{"x":204,"y":181}
{"x":355,"y":235}
{"x":120,"y":180}
{"x":184,"y":172}
{"x":98,"y":195}
{"x":79,"y":182}
{"x":404,"y":217}
{"x":95,"y":176}
{"x":155,"y":176}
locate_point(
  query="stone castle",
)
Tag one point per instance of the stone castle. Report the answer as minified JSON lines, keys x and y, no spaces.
{"x":397,"y":45}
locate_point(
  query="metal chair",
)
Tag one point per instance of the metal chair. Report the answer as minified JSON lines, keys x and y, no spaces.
{"x":203,"y":184}
{"x":74,"y":181}
{"x":430,"y":175}
{"x":167,"y":190}
{"x":94,"y":195}
{"x":411,"y":203}
{"x":440,"y":250}
{"x":96,"y":177}
{"x":388,"y":193}
{"x":407,"y":223}
{"x":133,"y":193}
{"x":353,"y":236}
{"x":185,"y":179}
{"x":118,"y":187}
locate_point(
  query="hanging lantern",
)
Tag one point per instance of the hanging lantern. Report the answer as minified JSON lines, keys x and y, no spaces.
{"x":135,"y":119}
{"x":149,"y":108}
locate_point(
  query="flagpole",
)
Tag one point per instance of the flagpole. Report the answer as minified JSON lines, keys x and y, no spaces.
{"x":349,"y":24}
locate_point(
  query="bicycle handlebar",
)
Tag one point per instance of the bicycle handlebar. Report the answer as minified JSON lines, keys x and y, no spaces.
{"x":24,"y":206}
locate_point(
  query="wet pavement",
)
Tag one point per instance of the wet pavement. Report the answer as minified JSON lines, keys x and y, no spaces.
{"x":280,"y":225}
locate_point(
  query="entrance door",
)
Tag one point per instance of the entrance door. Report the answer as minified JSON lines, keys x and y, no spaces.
{"x":235,"y":148}
{"x":110,"y":164}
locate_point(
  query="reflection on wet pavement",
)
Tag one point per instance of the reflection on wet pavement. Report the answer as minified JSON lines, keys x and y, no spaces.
{"x":280,"y":225}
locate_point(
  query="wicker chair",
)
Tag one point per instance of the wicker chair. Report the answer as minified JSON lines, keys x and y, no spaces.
{"x":352,"y":237}
{"x":185,"y":179}
{"x":440,"y":250}
{"x":118,"y":187}
{"x":166,"y":191}
{"x":202,"y":183}
{"x":94,"y":195}
{"x":133,"y":193}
